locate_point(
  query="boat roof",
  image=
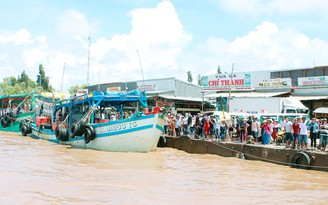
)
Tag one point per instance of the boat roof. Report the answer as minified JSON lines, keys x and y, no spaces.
{"x":15,"y":96}
{"x":97,"y":98}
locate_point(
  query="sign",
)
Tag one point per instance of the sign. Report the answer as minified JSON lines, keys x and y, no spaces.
{"x":277,"y":83}
{"x":147,"y":87}
{"x":118,"y":88}
{"x":313,"y":81}
{"x":238,"y":81}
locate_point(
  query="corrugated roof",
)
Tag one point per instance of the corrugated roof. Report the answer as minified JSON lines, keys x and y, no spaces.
{"x":321,"y":110}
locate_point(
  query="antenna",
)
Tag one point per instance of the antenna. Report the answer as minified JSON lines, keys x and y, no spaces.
{"x":61,"y":87}
{"x":89,"y":39}
{"x":143,"y":80}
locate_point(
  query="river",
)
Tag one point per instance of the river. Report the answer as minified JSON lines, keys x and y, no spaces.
{"x":40,"y":172}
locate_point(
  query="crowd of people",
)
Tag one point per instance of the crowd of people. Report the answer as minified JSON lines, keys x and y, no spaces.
{"x":294,"y":133}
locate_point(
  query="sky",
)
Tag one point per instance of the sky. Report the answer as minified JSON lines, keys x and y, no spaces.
{"x":149,"y":39}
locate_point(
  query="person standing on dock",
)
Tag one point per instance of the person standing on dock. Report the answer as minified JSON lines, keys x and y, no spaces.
{"x":255,"y":126}
{"x":288,"y":127}
{"x":314,"y":128}
{"x":266,"y":132}
{"x":296,"y":133}
{"x":303,"y":133}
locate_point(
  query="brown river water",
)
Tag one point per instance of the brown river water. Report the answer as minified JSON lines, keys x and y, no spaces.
{"x":40,"y":172}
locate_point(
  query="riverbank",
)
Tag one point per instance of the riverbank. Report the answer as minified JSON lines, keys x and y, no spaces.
{"x":278,"y":154}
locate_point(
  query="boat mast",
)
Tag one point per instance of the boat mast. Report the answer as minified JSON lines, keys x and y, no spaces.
{"x":61,"y":87}
{"x":143,"y":79}
{"x":89,"y":39}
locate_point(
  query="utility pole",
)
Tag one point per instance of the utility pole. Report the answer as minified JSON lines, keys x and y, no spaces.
{"x":89,"y":39}
{"x":230,"y":84}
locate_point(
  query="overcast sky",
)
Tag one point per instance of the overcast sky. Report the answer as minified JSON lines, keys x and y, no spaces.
{"x":171,"y":37}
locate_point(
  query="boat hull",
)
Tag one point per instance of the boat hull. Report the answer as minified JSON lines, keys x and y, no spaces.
{"x":14,"y":126}
{"x":137,"y":134}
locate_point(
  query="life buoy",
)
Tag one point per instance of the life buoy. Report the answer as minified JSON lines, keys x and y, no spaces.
{"x":301,"y":160}
{"x":161,"y":142}
{"x":89,"y":134}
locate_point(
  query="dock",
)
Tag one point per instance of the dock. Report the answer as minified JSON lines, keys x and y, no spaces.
{"x":272,"y":153}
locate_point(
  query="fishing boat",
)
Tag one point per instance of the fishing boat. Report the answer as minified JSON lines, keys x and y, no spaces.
{"x":99,"y":121}
{"x":14,"y":109}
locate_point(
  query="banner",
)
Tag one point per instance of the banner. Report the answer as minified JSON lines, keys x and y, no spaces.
{"x":146,"y":87}
{"x":312,"y":81}
{"x":224,"y":82}
{"x":277,"y":83}
{"x":118,"y":88}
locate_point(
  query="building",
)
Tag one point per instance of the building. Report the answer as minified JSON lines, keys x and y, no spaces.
{"x":171,"y":93}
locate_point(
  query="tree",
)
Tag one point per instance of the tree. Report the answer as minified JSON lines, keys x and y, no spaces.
{"x":22,"y":85}
{"x":43,"y":80}
{"x":219,"y":70}
{"x":25,"y":81}
{"x":189,"y":77}
{"x":199,"y":80}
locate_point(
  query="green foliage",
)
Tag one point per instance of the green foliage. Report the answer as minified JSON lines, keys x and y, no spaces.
{"x":189,"y":77}
{"x":22,"y":85}
{"x":219,"y":70}
{"x":75,"y":88}
{"x":43,"y":81}
{"x":199,"y":80}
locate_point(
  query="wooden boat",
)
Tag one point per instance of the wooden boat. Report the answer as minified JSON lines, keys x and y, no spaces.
{"x":87,"y":122}
{"x":13,"y":110}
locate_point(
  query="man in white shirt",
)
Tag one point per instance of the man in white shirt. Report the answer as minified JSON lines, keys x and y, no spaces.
{"x":303,"y":133}
{"x":288,"y":127}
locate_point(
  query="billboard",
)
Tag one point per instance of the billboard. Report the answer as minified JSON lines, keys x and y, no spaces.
{"x":278,"y":83}
{"x":225,"y":82}
{"x":313,"y":81}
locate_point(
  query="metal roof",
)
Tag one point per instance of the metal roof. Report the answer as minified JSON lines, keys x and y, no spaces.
{"x":246,"y":94}
{"x":315,"y":97}
{"x":194,"y":99}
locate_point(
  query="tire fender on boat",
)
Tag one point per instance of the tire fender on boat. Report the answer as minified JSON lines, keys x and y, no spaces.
{"x":299,"y":159}
{"x":89,"y":134}
{"x":77,"y":129}
{"x":57,"y":133}
{"x":7,"y":119}
{"x":161,"y":142}
{"x":24,"y":129}
{"x":63,"y":134}
{"x":21,"y":124}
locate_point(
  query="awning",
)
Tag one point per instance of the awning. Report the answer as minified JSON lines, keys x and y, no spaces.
{"x":321,"y":110}
{"x":310,"y":97}
{"x":246,"y":94}
{"x":193,"y":99}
